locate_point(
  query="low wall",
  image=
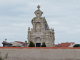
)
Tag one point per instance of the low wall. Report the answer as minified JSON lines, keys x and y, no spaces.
{"x":47,"y":53}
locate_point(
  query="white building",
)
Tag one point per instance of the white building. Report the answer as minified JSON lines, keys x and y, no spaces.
{"x":17,"y":44}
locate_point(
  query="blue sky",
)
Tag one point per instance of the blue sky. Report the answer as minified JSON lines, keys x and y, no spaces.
{"x":62,"y":15}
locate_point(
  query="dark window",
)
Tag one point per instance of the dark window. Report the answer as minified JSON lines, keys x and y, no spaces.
{"x":45,"y":26}
{"x":38,"y":44}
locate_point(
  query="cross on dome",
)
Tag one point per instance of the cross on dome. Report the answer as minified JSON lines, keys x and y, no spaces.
{"x":38,"y":6}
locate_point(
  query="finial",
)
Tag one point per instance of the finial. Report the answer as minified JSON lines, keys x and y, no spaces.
{"x":51,"y":28}
{"x":28,"y":28}
{"x":38,"y":6}
{"x":5,"y":39}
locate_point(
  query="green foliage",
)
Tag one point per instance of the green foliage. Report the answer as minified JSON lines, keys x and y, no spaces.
{"x":76,"y":45}
{"x":31,"y":44}
{"x":6,"y":55}
{"x":43,"y":44}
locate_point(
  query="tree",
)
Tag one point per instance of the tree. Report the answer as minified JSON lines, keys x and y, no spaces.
{"x":31,"y":44}
{"x":43,"y":44}
{"x":4,"y":57}
{"x":76,"y":45}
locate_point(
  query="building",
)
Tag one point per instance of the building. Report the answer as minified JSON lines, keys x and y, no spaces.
{"x":66,"y":44}
{"x":19,"y":44}
{"x":6,"y":44}
{"x":40,"y":32}
{"x":14,"y":44}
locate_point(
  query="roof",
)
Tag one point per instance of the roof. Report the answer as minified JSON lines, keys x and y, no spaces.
{"x":19,"y":42}
{"x":67,"y":44}
{"x":56,"y":45}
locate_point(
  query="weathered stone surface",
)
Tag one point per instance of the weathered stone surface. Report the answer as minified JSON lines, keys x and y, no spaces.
{"x":41,"y":32}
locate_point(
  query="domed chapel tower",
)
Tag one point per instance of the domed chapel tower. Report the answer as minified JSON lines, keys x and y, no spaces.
{"x":40,"y":32}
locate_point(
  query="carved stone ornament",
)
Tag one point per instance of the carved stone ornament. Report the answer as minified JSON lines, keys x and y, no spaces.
{"x":38,"y":12}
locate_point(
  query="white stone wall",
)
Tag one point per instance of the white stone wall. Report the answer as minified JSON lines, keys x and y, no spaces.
{"x":41,"y":54}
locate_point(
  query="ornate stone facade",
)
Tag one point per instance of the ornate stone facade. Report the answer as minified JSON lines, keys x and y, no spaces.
{"x":40,"y":32}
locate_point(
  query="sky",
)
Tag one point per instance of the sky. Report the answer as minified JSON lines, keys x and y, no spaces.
{"x":61,"y":15}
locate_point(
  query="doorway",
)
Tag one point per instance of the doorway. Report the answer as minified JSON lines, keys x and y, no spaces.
{"x":38,"y":44}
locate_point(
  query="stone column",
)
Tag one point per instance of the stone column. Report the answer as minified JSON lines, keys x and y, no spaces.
{"x":29,"y":33}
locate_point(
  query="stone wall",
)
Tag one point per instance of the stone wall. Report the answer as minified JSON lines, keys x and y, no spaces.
{"x":41,"y":53}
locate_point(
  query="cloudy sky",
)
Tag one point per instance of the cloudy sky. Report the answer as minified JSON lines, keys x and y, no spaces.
{"x":62,"y":15}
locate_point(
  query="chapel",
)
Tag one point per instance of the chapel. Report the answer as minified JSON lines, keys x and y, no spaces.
{"x":40,"y":31}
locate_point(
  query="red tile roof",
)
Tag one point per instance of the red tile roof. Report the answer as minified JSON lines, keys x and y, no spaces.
{"x":20,"y":42}
{"x":65,"y":44}
{"x":56,"y":45}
